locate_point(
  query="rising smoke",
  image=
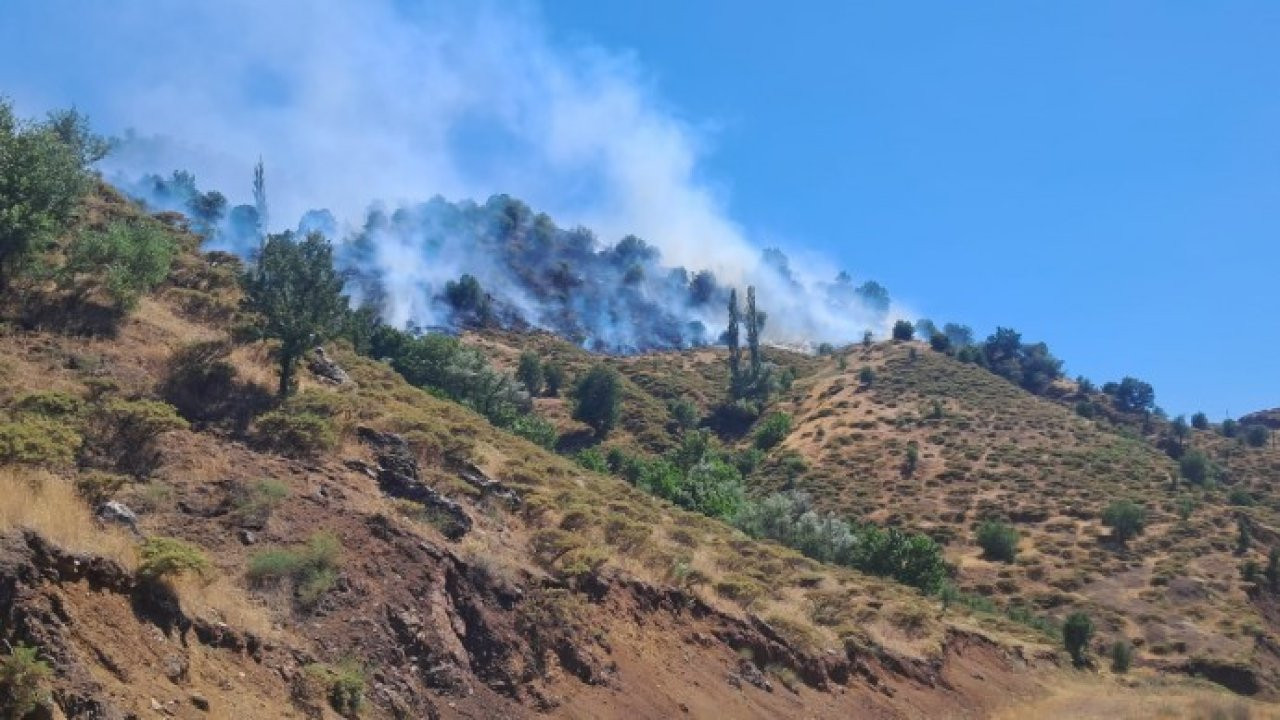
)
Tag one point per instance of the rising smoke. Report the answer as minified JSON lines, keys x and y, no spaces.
{"x":390,"y":103}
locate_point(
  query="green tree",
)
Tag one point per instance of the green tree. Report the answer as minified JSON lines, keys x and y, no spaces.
{"x":1121,"y":656}
{"x":529,"y":372}
{"x":553,"y":377}
{"x":1077,"y":631}
{"x":598,"y":399}
{"x":1230,"y":428}
{"x":1200,"y":421}
{"x":296,"y":291}
{"x":1195,"y":467}
{"x":940,"y":343}
{"x":903,"y":330}
{"x":43,"y":172}
{"x":1256,"y":435}
{"x":1131,"y":395}
{"x":755,"y":322}
{"x":731,"y":339}
{"x":1244,"y":534}
{"x":866,"y":376}
{"x":1125,"y":518}
{"x":684,"y":413}
{"x":998,"y":541}
{"x":773,"y":430}
{"x":124,"y":261}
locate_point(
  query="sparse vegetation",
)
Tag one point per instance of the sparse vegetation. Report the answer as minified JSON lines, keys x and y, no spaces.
{"x":1125,"y":518}
{"x":313,"y":568}
{"x":165,"y":558}
{"x":1077,"y":631}
{"x":24,"y":679}
{"x":772,"y":430}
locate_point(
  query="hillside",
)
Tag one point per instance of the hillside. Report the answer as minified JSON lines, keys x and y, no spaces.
{"x":176,"y":540}
{"x":562,"y":591}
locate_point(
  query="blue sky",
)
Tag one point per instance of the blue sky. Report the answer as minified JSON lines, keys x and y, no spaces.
{"x":1103,"y":176}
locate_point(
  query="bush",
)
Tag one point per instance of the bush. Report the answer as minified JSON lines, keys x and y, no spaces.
{"x":24,"y":679}
{"x":313,"y":569}
{"x":165,"y":557}
{"x":38,"y":442}
{"x":684,"y":413}
{"x":295,"y":434}
{"x":598,"y":398}
{"x":344,"y":686}
{"x":866,"y":376}
{"x":1077,"y":631}
{"x":1240,"y":497}
{"x":903,"y":330}
{"x":1195,"y":467}
{"x":998,"y":541}
{"x":126,"y":433}
{"x":1230,"y":428}
{"x":911,"y":460}
{"x":124,"y":262}
{"x":1256,"y":435}
{"x":773,"y":430}
{"x":592,"y":459}
{"x":940,"y":343}
{"x":529,"y":372}
{"x":1125,"y":518}
{"x":1121,"y":656}
{"x":200,"y":380}
{"x":536,"y":430}
{"x":553,"y":378}
{"x":49,"y":403}
{"x":1200,"y":421}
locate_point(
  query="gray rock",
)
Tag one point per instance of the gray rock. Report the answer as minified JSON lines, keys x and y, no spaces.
{"x":119,"y":514}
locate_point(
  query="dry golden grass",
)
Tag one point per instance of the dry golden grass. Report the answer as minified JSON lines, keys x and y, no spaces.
{"x":1143,"y":699}
{"x":41,"y":501}
{"x":219,"y":598}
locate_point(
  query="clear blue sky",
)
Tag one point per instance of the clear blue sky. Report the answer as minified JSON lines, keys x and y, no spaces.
{"x":1103,"y":176}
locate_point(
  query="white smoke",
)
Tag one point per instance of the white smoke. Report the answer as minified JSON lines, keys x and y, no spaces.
{"x":354,"y":102}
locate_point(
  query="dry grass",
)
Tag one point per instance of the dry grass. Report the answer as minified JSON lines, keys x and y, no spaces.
{"x":41,"y":501}
{"x":1149,"y":698}
{"x":218,"y":598}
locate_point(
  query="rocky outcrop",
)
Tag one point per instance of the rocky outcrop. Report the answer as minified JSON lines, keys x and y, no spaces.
{"x":398,"y":475}
{"x":326,"y":369}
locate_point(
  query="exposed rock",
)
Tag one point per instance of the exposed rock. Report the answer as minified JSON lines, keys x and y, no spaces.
{"x":119,"y":514}
{"x":398,"y":476}
{"x":325,"y":369}
{"x":477,"y":478}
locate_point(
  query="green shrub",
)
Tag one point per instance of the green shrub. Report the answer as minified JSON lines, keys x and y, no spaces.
{"x":553,"y":378}
{"x":1200,"y":421}
{"x":529,"y":372}
{"x":1125,"y":518}
{"x":313,"y":568}
{"x":165,"y":557}
{"x":124,"y":262}
{"x":903,"y":330}
{"x":49,"y":403}
{"x":866,"y":376}
{"x":1230,"y":428}
{"x":1256,"y":435}
{"x":592,"y":459}
{"x":684,"y":413}
{"x":38,"y":442}
{"x":24,"y":680}
{"x":126,"y":433}
{"x":1239,"y":496}
{"x":258,"y":502}
{"x":998,"y":541}
{"x":1077,"y":631}
{"x":1121,"y":656}
{"x":536,"y":430}
{"x":1195,"y":467}
{"x":301,"y":434}
{"x":344,"y":686}
{"x":773,"y":430}
{"x":598,"y":399}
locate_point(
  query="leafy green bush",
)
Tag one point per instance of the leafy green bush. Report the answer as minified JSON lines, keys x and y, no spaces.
{"x":1256,"y":435}
{"x":44,"y":169}
{"x":903,"y":330}
{"x":684,"y":413}
{"x":1200,"y":421}
{"x":598,"y":399}
{"x":1125,"y":518}
{"x":1195,"y":467}
{"x":126,"y":433}
{"x":536,"y":430}
{"x":998,"y":541}
{"x":529,"y":372}
{"x":344,"y":686}
{"x":773,"y":430}
{"x":49,"y":403}
{"x":165,"y":557}
{"x":24,"y":680}
{"x":1121,"y":656}
{"x":1239,"y":496}
{"x":592,"y":459}
{"x":1230,"y":428}
{"x":38,"y":442}
{"x":866,"y":376}
{"x":1077,"y":631}
{"x":553,"y":378}
{"x":313,"y":568}
{"x":124,"y":262}
{"x":296,"y":434}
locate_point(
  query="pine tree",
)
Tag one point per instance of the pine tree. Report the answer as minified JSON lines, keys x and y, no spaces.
{"x":753,"y":333}
{"x":260,"y":197}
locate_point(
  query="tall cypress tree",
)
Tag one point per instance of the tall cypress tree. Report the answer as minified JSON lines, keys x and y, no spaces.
{"x":731,"y":339}
{"x":753,"y":333}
